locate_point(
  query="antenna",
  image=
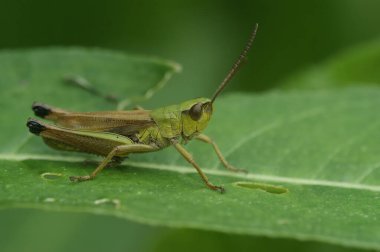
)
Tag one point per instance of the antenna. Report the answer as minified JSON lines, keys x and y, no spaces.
{"x":237,"y":64}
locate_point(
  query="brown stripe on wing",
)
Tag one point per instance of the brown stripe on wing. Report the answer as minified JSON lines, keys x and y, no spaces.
{"x":121,"y":122}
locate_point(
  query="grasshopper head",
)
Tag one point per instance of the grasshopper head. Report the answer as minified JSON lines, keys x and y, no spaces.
{"x":195,"y":116}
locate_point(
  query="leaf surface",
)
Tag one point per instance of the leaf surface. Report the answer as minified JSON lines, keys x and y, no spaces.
{"x":355,"y":66}
{"x":313,"y":157}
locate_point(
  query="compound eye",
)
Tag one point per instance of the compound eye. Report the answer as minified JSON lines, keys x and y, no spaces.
{"x":195,"y":111}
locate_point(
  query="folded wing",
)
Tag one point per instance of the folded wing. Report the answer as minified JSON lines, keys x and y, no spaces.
{"x":124,"y":123}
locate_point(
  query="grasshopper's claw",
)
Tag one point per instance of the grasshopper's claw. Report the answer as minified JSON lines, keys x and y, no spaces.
{"x":220,"y":189}
{"x":217,"y":188}
{"x":80,"y":178}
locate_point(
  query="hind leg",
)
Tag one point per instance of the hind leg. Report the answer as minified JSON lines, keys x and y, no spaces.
{"x":122,"y":150}
{"x":113,"y":147}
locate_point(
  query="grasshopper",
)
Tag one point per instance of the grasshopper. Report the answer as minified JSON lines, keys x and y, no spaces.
{"x":116,"y":134}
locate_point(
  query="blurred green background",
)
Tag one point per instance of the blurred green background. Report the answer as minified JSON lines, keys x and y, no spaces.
{"x":205,"y":37}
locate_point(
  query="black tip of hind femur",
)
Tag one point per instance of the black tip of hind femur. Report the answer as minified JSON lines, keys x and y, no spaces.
{"x":41,"y":110}
{"x":35,"y":127}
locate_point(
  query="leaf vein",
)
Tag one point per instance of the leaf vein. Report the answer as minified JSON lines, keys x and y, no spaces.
{"x":186,"y":169}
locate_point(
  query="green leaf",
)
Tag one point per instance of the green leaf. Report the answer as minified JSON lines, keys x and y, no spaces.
{"x":313,"y":158}
{"x":355,"y":66}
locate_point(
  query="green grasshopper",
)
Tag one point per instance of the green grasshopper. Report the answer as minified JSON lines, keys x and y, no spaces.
{"x":116,"y":134}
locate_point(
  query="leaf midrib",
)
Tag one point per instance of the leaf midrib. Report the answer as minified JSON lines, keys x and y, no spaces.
{"x":187,"y":169}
